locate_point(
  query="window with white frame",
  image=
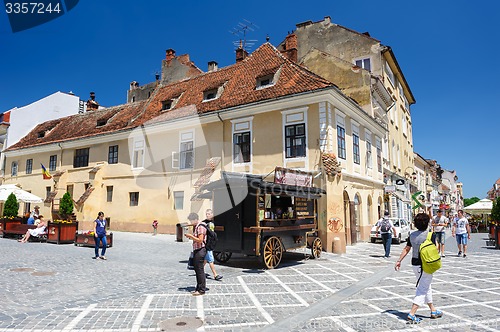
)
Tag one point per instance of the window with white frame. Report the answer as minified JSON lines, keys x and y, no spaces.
{"x":378,"y":144}
{"x":178,"y":200}
{"x":241,"y":147}
{"x":14,"y":168}
{"x":29,"y":166}
{"x":390,"y":74}
{"x":404,"y":125}
{"x":138,"y":154}
{"x":134,"y":198}
{"x":242,"y":140}
{"x":355,"y":145}
{"x":368,"y":141}
{"x":186,"y":150}
{"x":53,"y":163}
{"x":394,"y":158}
{"x":364,"y":63}
{"x":341,"y":137}
{"x":398,"y":153}
{"x":295,"y":140}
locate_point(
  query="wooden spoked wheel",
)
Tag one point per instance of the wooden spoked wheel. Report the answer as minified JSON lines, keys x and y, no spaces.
{"x":222,"y":256}
{"x":272,"y":251}
{"x":316,"y":248}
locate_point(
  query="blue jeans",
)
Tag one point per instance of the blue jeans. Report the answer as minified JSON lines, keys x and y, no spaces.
{"x":100,"y":238}
{"x":387,"y":240}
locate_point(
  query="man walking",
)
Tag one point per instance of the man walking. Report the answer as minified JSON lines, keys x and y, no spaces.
{"x":461,"y":230}
{"x":386,"y":230}
{"x":439,"y":224}
{"x":199,"y":251}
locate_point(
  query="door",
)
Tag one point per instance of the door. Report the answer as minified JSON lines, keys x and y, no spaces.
{"x":354,"y":232}
{"x":228,"y":213}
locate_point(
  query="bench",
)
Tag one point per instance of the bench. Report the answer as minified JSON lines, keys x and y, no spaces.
{"x":18,"y":230}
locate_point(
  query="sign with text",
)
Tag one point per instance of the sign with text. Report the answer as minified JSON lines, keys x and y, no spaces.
{"x":304,"y":207}
{"x":292,"y":177}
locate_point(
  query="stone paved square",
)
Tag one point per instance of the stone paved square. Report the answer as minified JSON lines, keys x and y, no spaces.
{"x":145,"y":282}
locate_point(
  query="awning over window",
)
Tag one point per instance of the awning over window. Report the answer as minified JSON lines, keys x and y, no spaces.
{"x":401,"y":197}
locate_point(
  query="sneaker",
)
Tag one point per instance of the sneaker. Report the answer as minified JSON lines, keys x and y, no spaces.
{"x":436,"y":314}
{"x":465,"y":255}
{"x":218,"y":277}
{"x":103,"y":258}
{"x":95,"y":257}
{"x":443,"y":255}
{"x":459,"y":254}
{"x":413,"y":319}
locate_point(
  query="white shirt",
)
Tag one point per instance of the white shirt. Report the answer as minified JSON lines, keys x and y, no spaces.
{"x":461,"y":225}
{"x":436,"y":220}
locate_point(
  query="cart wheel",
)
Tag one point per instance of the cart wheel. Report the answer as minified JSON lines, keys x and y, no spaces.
{"x":316,"y":248}
{"x":272,"y":251}
{"x":222,"y":256}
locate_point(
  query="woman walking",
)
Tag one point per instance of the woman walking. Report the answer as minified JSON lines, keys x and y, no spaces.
{"x":424,"y":291}
{"x":100,"y":235}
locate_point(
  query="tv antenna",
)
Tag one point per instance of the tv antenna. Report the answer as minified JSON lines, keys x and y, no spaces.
{"x":240,"y":31}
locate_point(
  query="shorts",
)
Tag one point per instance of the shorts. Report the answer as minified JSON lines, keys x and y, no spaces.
{"x":461,"y":238}
{"x":440,"y":236}
{"x":209,"y":257}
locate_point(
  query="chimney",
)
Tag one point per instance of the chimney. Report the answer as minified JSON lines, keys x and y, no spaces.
{"x":212,"y":66}
{"x":170,"y":54}
{"x":240,"y":54}
{"x":134,"y":85}
{"x":290,"y":47}
{"x":91,"y":103}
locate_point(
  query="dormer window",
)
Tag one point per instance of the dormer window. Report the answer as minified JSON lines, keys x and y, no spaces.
{"x":101,"y":123}
{"x":215,"y":93}
{"x":210,"y":94}
{"x":267,"y":80}
{"x":41,"y":134}
{"x":166,"y":104}
{"x":169,"y":103}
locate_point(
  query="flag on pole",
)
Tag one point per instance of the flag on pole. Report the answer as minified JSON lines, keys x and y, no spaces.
{"x":45,"y":173}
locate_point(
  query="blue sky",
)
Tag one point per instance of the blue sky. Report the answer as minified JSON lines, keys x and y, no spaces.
{"x":445,"y":48}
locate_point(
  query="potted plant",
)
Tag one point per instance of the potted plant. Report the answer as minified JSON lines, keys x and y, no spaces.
{"x":66,"y":206}
{"x":11,"y":207}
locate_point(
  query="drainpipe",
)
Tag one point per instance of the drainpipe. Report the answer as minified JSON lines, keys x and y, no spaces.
{"x":223,"y":141}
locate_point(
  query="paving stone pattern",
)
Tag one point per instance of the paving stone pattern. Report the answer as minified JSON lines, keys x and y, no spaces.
{"x":144,"y":285}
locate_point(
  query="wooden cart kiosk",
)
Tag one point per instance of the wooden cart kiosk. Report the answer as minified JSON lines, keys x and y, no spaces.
{"x":263,"y":219}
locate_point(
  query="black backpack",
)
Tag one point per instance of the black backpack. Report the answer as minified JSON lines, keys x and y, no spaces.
{"x":211,"y":238}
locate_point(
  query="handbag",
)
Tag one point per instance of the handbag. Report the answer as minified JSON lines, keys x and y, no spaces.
{"x":190,"y":261}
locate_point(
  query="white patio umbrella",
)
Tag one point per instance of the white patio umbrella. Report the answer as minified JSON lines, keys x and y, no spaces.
{"x":482,"y":207}
{"x":21,"y":195}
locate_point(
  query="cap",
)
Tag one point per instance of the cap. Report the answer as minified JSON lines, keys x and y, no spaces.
{"x":37,"y":207}
{"x":386,"y":213}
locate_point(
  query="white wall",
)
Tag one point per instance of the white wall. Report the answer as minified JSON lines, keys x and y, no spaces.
{"x":24,"y":119}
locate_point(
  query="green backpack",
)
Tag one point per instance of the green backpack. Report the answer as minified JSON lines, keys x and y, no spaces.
{"x":429,"y":255}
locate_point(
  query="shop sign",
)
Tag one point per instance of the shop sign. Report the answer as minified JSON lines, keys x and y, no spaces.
{"x":292,"y":177}
{"x":390,"y":189}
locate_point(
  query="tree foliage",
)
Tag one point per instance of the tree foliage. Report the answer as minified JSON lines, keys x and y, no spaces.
{"x":470,"y":201}
{"x":66,"y":205}
{"x":495,"y":211}
{"x":11,"y":207}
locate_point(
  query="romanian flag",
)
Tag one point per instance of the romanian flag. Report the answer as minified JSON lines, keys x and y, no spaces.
{"x":45,"y":173}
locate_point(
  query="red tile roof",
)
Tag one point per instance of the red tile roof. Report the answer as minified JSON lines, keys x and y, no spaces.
{"x":239,"y":81}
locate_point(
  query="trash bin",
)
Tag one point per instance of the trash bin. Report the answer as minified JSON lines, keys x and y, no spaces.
{"x":182,"y":228}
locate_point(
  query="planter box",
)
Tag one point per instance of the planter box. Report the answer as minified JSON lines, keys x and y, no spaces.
{"x":84,"y":240}
{"x":60,"y":233}
{"x":8,"y":224}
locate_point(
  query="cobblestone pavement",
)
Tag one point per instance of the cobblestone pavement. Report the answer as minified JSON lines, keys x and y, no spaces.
{"x":144,"y":286}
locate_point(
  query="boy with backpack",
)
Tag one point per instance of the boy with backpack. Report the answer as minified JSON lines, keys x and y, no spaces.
{"x":211,"y":241}
{"x":425,"y":261}
{"x":386,"y":230}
